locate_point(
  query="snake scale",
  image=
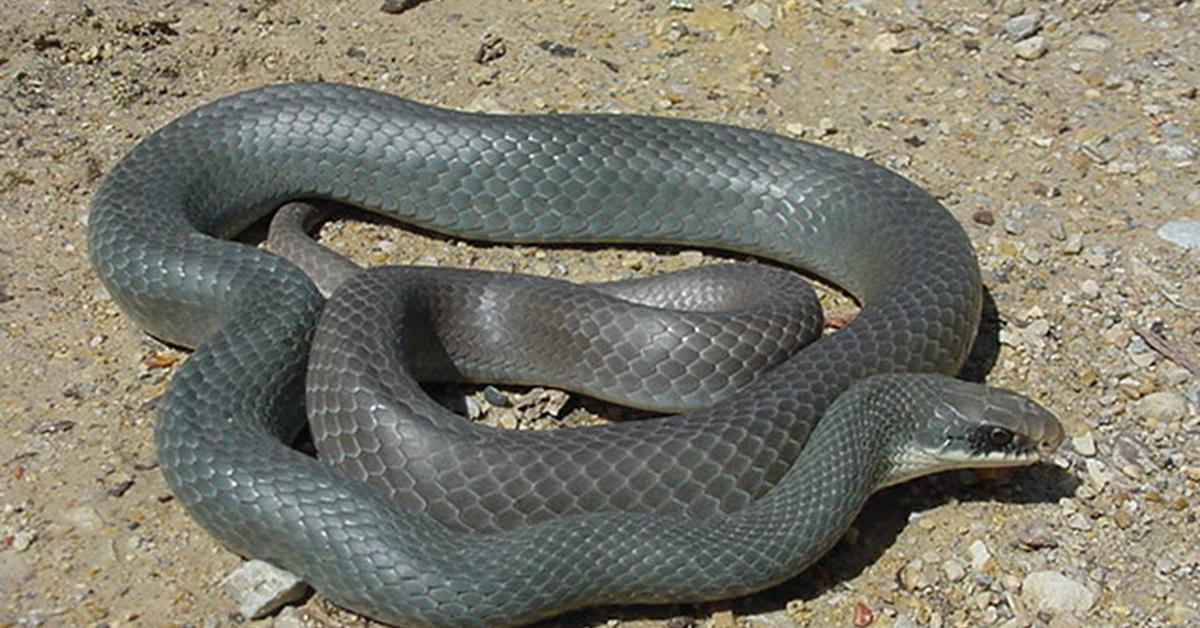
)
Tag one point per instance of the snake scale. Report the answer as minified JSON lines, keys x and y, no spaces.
{"x":771,"y":494}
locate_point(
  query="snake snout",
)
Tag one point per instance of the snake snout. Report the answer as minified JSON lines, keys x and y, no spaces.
{"x":996,"y":427}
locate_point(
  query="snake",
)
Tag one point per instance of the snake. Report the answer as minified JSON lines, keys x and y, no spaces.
{"x":780,"y":468}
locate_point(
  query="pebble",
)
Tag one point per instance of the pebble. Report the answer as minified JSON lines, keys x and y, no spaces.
{"x":1052,"y":591}
{"x":496,"y":397}
{"x":398,"y":6}
{"x":1030,"y":49}
{"x":1089,"y":289}
{"x":1023,"y":26}
{"x":1092,"y":42}
{"x":1098,"y":475}
{"x":914,"y":575}
{"x":1176,"y":152}
{"x":895,"y":42}
{"x":1084,"y":444}
{"x":260,"y":588}
{"x":290,"y":617}
{"x":1079,"y":521}
{"x":1164,"y":405}
{"x":1184,"y":232}
{"x":1072,"y":245}
{"x":473,"y":408}
{"x":980,"y":555}
{"x":954,"y":569}
{"x":1037,"y":536}
{"x":84,"y":518}
{"x":760,"y":14}
{"x":772,"y":619}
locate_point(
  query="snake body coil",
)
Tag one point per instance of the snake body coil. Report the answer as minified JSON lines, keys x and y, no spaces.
{"x":156,"y":239}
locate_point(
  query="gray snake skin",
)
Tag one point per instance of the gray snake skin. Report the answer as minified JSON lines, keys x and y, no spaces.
{"x":157,"y":239}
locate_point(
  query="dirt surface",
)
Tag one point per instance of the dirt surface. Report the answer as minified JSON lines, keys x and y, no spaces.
{"x":1062,"y":134}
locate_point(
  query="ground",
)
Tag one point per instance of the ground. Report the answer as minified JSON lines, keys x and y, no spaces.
{"x":1063,"y":135}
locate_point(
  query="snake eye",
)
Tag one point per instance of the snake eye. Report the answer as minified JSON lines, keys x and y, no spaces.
{"x":999,"y":437}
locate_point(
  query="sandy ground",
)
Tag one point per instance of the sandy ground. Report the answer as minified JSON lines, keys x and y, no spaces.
{"x":1063,"y":140}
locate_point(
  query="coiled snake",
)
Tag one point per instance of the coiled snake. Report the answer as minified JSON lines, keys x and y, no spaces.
{"x":156,"y":238}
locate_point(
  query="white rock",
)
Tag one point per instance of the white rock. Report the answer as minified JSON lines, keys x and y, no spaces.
{"x":1052,"y":591}
{"x":954,"y":570}
{"x":1164,"y":406}
{"x":1097,"y":474}
{"x":1030,"y":49}
{"x":260,"y":588}
{"x":1084,"y":445}
{"x":760,"y":14}
{"x":289,"y":618}
{"x":1092,"y":42}
{"x":980,"y":555}
{"x":1089,"y":289}
{"x":83,"y":518}
{"x":1184,"y":232}
{"x":1023,"y":26}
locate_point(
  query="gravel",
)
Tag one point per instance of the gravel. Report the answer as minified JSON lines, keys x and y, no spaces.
{"x":1066,"y":146}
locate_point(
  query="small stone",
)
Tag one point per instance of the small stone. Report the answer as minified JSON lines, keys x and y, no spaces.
{"x":1013,"y":227}
{"x":1092,"y":42}
{"x":1058,"y":231}
{"x":1079,"y":522}
{"x":1097,"y":474}
{"x":1165,"y":406}
{"x":1084,"y":444}
{"x":913,"y":576}
{"x":796,"y":129}
{"x":1089,"y":290}
{"x":1030,"y":49}
{"x":1123,"y":518}
{"x":540,"y":403}
{"x":760,"y":14}
{"x":260,"y":588}
{"x":1073,"y":245}
{"x":1052,"y":591}
{"x":83,"y":518}
{"x":290,"y":617}
{"x":954,"y":569}
{"x":398,"y":6}
{"x":895,"y":43}
{"x":1184,"y":232}
{"x":485,"y":104}
{"x":984,"y":217}
{"x":1181,"y":615}
{"x":496,"y":397}
{"x":1023,"y":26}
{"x":21,"y":540}
{"x":474,"y":409}
{"x":1176,"y":152}
{"x":770,"y":619}
{"x":1037,"y":536}
{"x":980,"y":555}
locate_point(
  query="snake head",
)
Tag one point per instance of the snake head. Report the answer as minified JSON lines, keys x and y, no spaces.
{"x":959,"y":424}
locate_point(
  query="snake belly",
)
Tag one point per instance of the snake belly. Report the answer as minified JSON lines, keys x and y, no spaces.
{"x":158,"y":239}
